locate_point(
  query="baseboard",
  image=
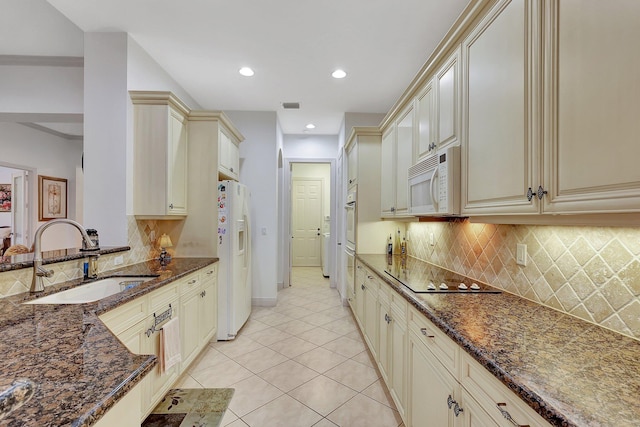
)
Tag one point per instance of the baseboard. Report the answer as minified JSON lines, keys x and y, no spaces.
{"x":264,"y":302}
{"x":280,"y":286}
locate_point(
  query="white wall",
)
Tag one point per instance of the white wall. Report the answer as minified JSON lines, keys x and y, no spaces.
{"x":41,"y":89}
{"x":310,"y":146}
{"x":34,"y":27}
{"x":359,"y":119}
{"x":259,"y":170}
{"x":105,"y":136}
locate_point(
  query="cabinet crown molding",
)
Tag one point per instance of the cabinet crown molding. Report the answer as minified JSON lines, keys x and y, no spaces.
{"x":158,"y":98}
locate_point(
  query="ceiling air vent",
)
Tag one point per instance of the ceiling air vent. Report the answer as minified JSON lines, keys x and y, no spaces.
{"x":291,"y":105}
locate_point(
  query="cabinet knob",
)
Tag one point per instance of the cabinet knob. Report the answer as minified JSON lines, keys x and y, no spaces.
{"x":191,"y":282}
{"x":171,"y":206}
{"x":362,"y":287}
{"x":231,"y":169}
{"x":541,"y":192}
{"x":529,"y":194}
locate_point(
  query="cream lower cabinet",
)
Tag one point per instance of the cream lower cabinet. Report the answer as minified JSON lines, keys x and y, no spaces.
{"x":392,"y":342}
{"x":198,"y":302}
{"x":432,"y":380}
{"x":370,"y":323}
{"x":192,"y":300}
{"x":434,"y":393}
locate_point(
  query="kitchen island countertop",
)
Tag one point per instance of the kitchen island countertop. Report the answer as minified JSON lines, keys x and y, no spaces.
{"x":78,"y":367}
{"x":572,"y":372}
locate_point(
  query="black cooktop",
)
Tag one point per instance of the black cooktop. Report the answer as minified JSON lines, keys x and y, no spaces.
{"x":432,"y":279}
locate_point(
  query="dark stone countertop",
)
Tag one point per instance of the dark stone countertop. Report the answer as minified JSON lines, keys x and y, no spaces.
{"x":572,"y":372}
{"x":16,"y":262}
{"x":79,"y":368}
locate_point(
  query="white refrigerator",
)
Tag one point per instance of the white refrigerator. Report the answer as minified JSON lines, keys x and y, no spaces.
{"x":234,"y":251}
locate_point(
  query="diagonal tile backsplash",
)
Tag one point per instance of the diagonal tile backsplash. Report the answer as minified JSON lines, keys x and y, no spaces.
{"x":589,"y":272}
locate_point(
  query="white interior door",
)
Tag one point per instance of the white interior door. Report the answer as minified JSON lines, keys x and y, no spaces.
{"x":306,"y":206}
{"x":19,"y":209}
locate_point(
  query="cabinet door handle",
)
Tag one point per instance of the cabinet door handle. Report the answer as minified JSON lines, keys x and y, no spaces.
{"x":362,"y":287}
{"x":450,"y":401}
{"x":529,"y":194}
{"x":457,"y":409}
{"x":424,"y":332}
{"x":541,"y":192}
{"x":507,"y":415}
{"x":231,"y":169}
{"x":171,"y":206}
{"x":209,"y":272}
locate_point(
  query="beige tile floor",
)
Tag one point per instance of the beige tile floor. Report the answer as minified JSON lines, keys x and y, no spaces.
{"x":301,"y":363}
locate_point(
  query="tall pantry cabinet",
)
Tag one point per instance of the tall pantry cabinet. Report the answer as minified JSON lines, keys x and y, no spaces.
{"x":211,"y":134}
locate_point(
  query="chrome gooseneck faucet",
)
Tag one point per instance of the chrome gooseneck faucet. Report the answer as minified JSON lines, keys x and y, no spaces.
{"x":37,"y":284}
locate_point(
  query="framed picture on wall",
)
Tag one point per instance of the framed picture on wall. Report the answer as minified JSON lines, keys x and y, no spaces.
{"x":5,"y":197}
{"x":52,"y":198}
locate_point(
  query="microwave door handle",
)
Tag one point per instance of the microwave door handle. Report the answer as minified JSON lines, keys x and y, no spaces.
{"x":432,"y":189}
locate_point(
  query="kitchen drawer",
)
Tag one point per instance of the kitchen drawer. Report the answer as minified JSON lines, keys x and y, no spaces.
{"x":160,"y":299}
{"x":189,"y":283}
{"x":399,"y":304}
{"x":123,"y":317}
{"x":384,"y":291}
{"x":442,"y":347}
{"x":210,"y":272}
{"x":496,"y":399}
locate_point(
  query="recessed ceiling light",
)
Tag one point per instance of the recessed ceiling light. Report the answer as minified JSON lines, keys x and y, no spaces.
{"x":339,"y":74}
{"x":310,"y":126}
{"x":246,"y":71}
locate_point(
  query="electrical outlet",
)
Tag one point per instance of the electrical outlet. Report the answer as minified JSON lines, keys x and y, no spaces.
{"x":521,"y":254}
{"x":432,"y":240}
{"x":118,"y":260}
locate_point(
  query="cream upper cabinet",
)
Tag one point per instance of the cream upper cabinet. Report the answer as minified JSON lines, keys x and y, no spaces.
{"x":387,"y":175}
{"x":404,"y":158}
{"x":397,"y":156}
{"x":352,"y":165}
{"x":229,"y":155}
{"x":426,"y":123}
{"x":438,"y":110}
{"x":499,"y":154}
{"x":159,"y":155}
{"x":592,"y":114}
{"x":447,"y":81}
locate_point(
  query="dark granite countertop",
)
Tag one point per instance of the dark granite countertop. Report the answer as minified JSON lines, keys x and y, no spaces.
{"x":572,"y":372}
{"x":16,"y":262}
{"x":78,"y":366}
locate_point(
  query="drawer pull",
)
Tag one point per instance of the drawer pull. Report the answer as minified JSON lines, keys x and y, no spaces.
{"x":424,"y":332}
{"x":191,"y":282}
{"x":210,"y":272}
{"x":370,"y":277}
{"x":507,"y":415}
{"x":362,"y":286}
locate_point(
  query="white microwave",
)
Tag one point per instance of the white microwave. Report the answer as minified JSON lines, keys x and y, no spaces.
{"x":434,"y":184}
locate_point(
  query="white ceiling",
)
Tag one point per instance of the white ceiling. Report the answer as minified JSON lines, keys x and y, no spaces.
{"x":293,"y":46}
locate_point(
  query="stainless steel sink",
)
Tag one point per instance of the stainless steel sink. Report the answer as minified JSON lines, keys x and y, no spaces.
{"x":93,"y":291}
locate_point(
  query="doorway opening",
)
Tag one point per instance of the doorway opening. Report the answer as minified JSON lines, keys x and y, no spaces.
{"x":15,"y":206}
{"x":309,"y":214}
